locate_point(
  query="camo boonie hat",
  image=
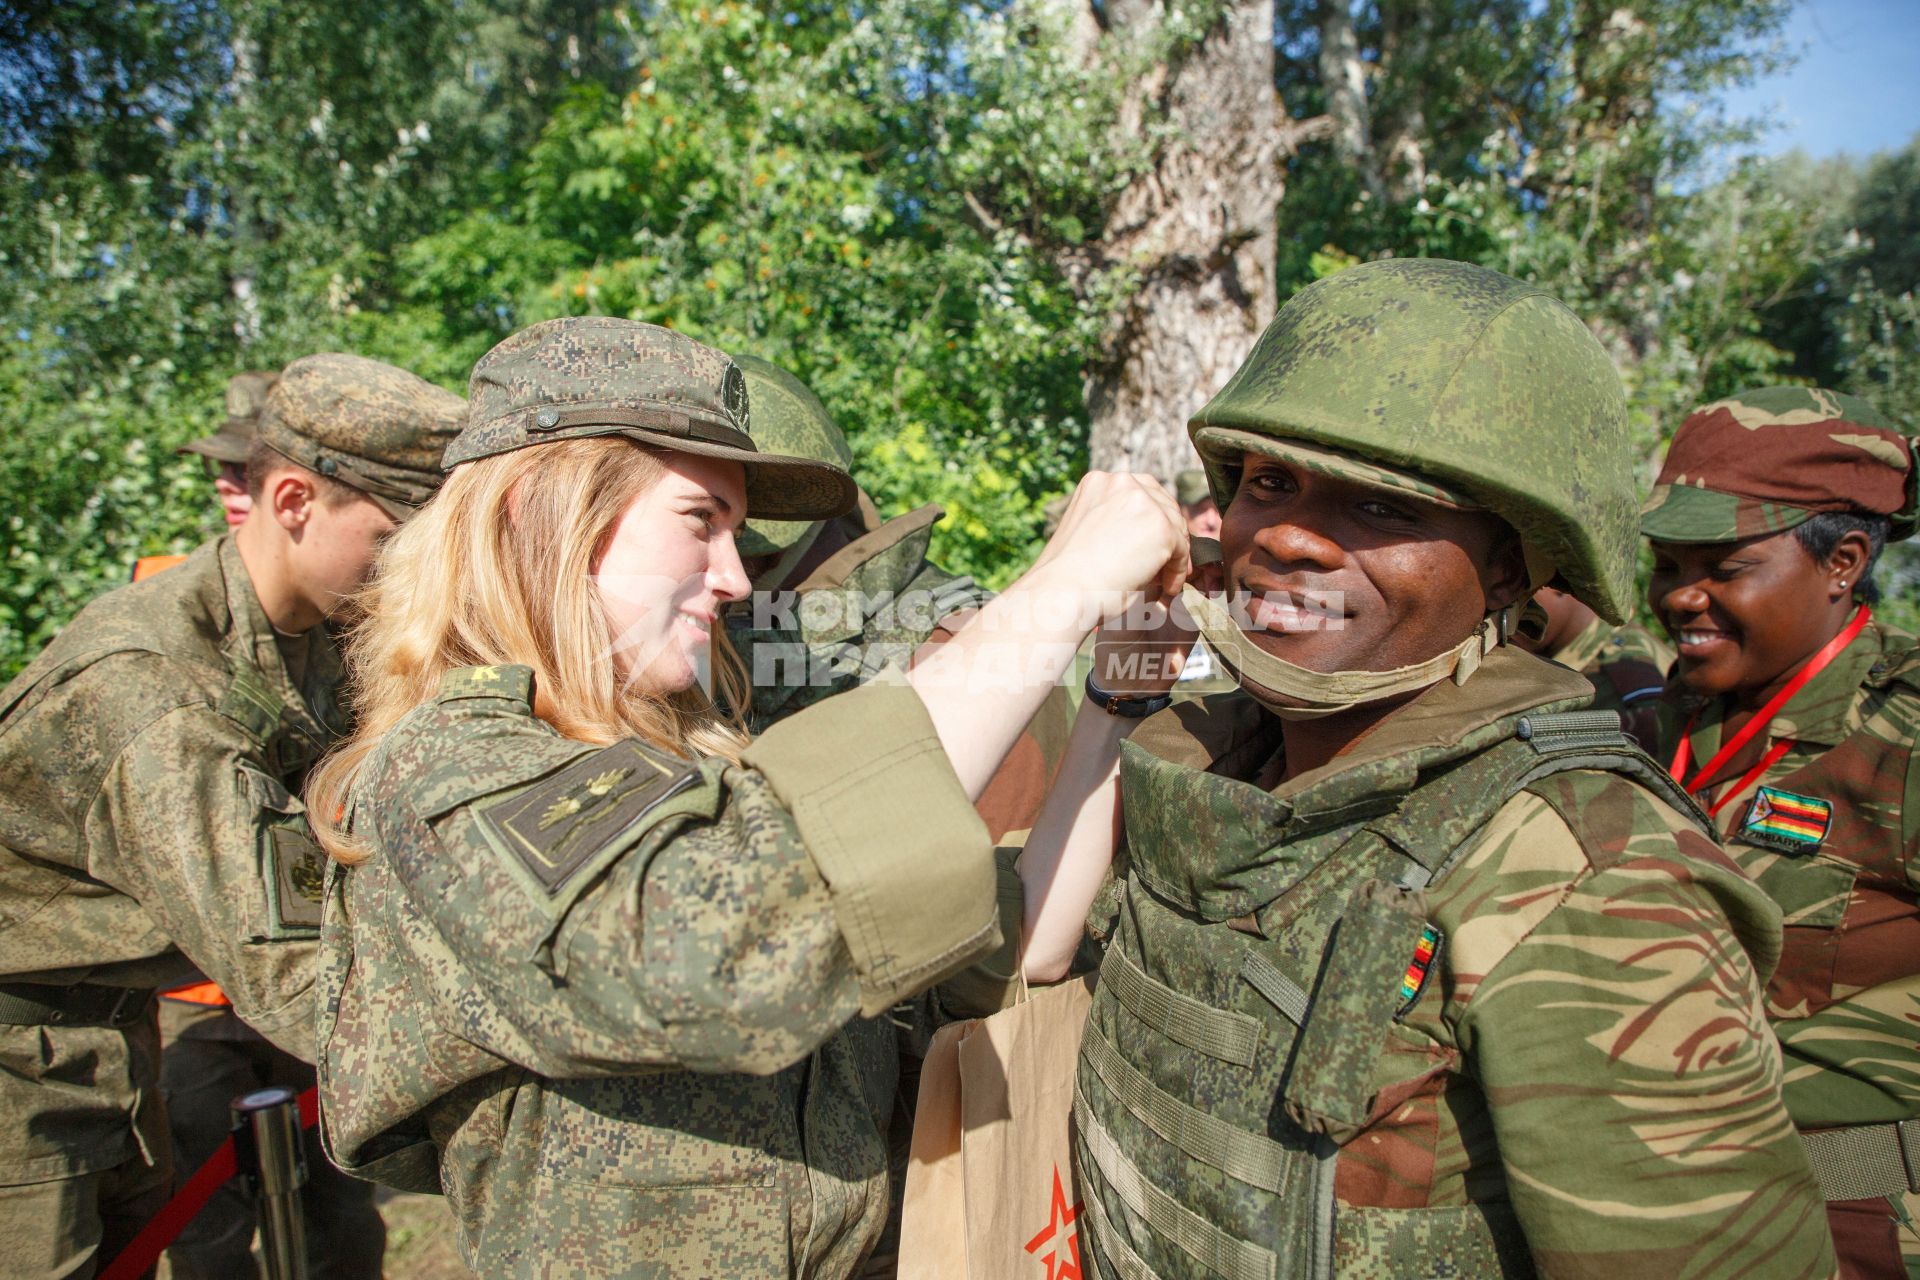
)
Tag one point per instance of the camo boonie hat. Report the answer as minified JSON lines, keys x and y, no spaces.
{"x":370,"y":426}
{"x":787,"y":419}
{"x":598,"y":376}
{"x":246,"y":396}
{"x":1190,"y":488}
{"x":1767,"y":460}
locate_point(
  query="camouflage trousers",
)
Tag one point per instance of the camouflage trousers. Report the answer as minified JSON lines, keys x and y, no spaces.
{"x":72,"y":1227}
{"x":211,"y":1058}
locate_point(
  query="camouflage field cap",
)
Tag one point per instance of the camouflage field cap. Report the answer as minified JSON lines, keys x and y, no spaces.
{"x":787,"y":419}
{"x":599,"y":376}
{"x":370,"y":426}
{"x":1452,"y":384}
{"x":1190,"y":488}
{"x":246,"y":396}
{"x":1766,"y":460}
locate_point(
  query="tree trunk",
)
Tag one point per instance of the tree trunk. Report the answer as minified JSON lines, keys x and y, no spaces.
{"x":1199,"y":232}
{"x":1343,"y":78}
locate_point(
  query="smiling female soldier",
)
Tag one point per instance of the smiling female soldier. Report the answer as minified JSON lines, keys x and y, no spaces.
{"x":598,"y":965}
{"x":1415,"y":969}
{"x":1798,"y":736}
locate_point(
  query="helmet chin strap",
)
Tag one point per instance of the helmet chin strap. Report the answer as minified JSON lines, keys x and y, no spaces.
{"x":1293,"y":692}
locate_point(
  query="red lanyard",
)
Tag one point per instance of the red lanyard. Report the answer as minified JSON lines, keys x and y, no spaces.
{"x":1814,"y":666}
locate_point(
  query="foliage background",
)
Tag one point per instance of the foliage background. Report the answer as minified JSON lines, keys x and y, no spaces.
{"x":194,"y":187}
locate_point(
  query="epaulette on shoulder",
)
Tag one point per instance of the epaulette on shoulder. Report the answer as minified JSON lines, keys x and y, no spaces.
{"x":250,"y":704}
{"x":1899,"y":662}
{"x":510,"y":681}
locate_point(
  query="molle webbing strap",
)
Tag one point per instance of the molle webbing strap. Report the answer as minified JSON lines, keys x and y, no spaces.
{"x":1282,"y":992}
{"x":1254,"y":1160}
{"x":1571,"y":729}
{"x":1207,"y":1244}
{"x":1218,"y":1033}
{"x":1866,"y":1161}
{"x":1434,"y":831}
{"x":1119,"y":1257}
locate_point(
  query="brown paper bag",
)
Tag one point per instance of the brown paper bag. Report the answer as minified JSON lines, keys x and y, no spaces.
{"x":990,"y":1192}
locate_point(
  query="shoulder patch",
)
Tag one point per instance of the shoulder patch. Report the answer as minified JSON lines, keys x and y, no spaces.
{"x":1425,"y":952}
{"x":555,"y":827}
{"x":298,"y":874}
{"x":1780,"y":820}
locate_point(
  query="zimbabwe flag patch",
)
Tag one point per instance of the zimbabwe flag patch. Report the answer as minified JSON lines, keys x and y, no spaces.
{"x":1414,"y":981}
{"x":1781,"y":820}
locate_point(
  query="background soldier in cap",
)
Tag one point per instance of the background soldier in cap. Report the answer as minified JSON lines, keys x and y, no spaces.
{"x":1626,"y":665}
{"x":1796,"y":729}
{"x":226,"y":450}
{"x":150,"y":761}
{"x":1415,"y":969}
{"x":1196,"y":504}
{"x":601,"y":970}
{"x":225,"y":455}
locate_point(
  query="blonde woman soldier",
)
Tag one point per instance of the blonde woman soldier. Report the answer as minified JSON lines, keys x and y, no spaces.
{"x":597,"y":967}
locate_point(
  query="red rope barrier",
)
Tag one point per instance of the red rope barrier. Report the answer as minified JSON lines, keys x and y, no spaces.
{"x":146,"y":1248}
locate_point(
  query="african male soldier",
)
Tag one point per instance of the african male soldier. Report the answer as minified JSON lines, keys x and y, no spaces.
{"x":1416,"y":968}
{"x":150,"y":760}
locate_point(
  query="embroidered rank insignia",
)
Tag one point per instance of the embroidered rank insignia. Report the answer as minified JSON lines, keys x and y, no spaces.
{"x":1414,"y":981}
{"x":1787,"y":822}
{"x":555,"y":827}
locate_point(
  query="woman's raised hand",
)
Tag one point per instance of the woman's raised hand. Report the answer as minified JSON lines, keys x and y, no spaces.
{"x":1120,"y":535}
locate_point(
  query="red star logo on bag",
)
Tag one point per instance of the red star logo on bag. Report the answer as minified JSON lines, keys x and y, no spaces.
{"x":1060,"y":1216}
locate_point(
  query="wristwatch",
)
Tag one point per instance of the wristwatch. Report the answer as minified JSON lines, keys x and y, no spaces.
{"x":1130,"y":707}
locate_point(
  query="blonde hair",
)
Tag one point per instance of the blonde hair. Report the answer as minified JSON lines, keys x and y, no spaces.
{"x":498,"y":569}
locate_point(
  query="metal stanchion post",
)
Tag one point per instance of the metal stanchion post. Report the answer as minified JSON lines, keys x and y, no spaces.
{"x":266,"y":1129}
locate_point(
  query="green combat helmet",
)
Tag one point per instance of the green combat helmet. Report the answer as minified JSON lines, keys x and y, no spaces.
{"x":788,"y":419}
{"x":1489,"y":391}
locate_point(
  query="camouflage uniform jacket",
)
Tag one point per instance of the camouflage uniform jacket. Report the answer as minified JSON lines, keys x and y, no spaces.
{"x":621,"y":1007}
{"x":148,"y":825}
{"x":1846,"y":996}
{"x":876,"y":601}
{"x":1628,"y":668}
{"x":1552,"y":1060}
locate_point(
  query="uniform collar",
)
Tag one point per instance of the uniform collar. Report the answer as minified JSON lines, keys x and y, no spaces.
{"x":1232,"y":736}
{"x":877,"y":565}
{"x":250,"y":640}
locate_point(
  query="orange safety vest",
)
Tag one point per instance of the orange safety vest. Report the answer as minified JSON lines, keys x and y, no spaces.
{"x":146,"y":566}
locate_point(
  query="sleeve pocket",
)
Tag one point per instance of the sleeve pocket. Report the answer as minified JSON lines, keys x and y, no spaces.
{"x":292,"y":870}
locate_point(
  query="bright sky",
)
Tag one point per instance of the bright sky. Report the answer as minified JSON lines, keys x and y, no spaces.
{"x":1856,"y":86}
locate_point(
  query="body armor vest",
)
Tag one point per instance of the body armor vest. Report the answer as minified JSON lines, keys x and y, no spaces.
{"x":1265,"y":952}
